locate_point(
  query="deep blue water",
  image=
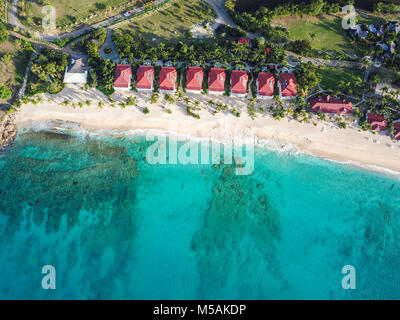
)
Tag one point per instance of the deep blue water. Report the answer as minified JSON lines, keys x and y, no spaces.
{"x":116,"y":227}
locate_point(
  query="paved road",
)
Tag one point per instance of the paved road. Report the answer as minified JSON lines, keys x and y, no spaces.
{"x":223,"y":16}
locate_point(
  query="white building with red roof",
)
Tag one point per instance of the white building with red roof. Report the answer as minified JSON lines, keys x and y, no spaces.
{"x":377,"y":121}
{"x":216,"y":81}
{"x":328,"y":104}
{"x":239,"y":79}
{"x":245,"y":41}
{"x":123,"y":77}
{"x":145,"y":79}
{"x":168,"y":76}
{"x":194,"y":79}
{"x":265,"y":85}
{"x":287,"y":86}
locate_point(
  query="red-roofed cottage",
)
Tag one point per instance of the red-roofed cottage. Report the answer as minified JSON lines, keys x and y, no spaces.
{"x":168,"y":76}
{"x":194,"y":79}
{"x":123,"y":77}
{"x":145,"y":78}
{"x":287,"y":86}
{"x":244,"y":41}
{"x":396,"y":127}
{"x":331,"y":105}
{"x":239,"y":79}
{"x":265,"y":85}
{"x":376,"y":121}
{"x":267,"y":50}
{"x":216,"y":81}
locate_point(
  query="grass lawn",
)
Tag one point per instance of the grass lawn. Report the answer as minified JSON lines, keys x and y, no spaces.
{"x":340,"y":79}
{"x":71,"y":11}
{"x":171,"y":24}
{"x":328,"y":31}
{"x":12,"y":72}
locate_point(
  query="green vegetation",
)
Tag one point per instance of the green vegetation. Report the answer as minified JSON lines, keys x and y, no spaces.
{"x":47,"y":72}
{"x":324,"y":33}
{"x":348,"y":81}
{"x":72,"y":12}
{"x":386,"y":8}
{"x":133,"y":46}
{"x":261,"y":20}
{"x":3,"y":33}
{"x":307,"y":76}
{"x":173,"y":23}
{"x":102,"y":70}
{"x":14,"y":57}
{"x":5,"y":92}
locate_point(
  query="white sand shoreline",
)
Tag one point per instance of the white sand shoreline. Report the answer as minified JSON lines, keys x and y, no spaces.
{"x":375,"y":152}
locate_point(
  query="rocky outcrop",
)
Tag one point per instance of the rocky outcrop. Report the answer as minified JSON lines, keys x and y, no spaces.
{"x":8,"y":131}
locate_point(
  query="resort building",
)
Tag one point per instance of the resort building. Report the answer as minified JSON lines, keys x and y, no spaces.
{"x":376,"y":121}
{"x":145,"y":79}
{"x":77,"y":71}
{"x":194,"y":79}
{"x":168,"y":76}
{"x":287,"y":86}
{"x":328,"y":104}
{"x":244,"y":41}
{"x":265,"y":85}
{"x":239,"y":79}
{"x":396,"y":130}
{"x":123,"y":77}
{"x":216,"y":80}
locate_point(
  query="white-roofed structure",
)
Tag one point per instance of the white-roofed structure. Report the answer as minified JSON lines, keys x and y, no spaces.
{"x":77,"y":71}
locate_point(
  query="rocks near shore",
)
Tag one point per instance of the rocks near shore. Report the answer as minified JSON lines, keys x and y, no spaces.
{"x":8,"y":131}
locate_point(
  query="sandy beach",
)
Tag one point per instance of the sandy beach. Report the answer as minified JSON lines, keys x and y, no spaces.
{"x":325,"y":140}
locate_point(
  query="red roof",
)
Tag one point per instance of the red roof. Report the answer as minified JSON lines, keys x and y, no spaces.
{"x":267,"y":50}
{"x":123,"y":75}
{"x":145,"y":77}
{"x":194,"y":78}
{"x":376,"y":121}
{"x":239,"y":80}
{"x":288,"y":85}
{"x":331,"y":105}
{"x":216,"y":80}
{"x":396,"y":127}
{"x":244,"y":41}
{"x":168,"y":77}
{"x":265,"y":84}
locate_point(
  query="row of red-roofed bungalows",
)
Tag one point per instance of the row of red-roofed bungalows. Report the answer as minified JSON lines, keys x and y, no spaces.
{"x":194,"y":81}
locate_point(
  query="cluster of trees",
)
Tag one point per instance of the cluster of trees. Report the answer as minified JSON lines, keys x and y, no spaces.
{"x":261,"y":20}
{"x":387,"y":8}
{"x":5,"y":92}
{"x":3,"y":33}
{"x":301,"y":47}
{"x":307,"y":77}
{"x":47,"y":72}
{"x":102,"y":72}
{"x":227,"y":52}
{"x":370,"y":47}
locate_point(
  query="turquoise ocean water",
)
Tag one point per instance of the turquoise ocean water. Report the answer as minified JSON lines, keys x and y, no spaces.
{"x":116,"y":227}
